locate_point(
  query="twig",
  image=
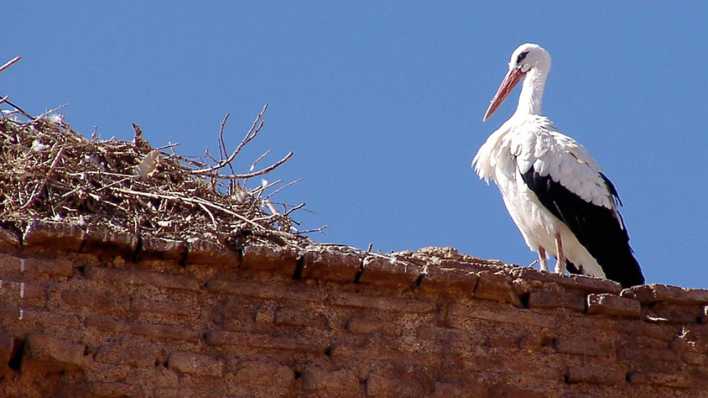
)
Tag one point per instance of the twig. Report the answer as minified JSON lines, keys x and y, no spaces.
{"x":49,"y":112}
{"x":17,"y":108}
{"x":297,"y":207}
{"x":250,"y":135}
{"x":213,"y":220}
{"x":10,"y":63}
{"x":188,"y":200}
{"x":259,"y":190}
{"x":258,"y":159}
{"x":291,"y":183}
{"x":272,"y":208}
{"x":168,"y":146}
{"x":308,"y":231}
{"x":115,"y":183}
{"x":223,"y":151}
{"x":41,"y":185}
{"x":222,"y":144}
{"x":256,"y":173}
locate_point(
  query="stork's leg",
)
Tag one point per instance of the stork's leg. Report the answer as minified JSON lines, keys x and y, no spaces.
{"x":542,"y":260}
{"x":560,"y":257}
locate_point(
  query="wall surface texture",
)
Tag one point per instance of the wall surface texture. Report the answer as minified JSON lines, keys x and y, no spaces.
{"x":89,"y":313}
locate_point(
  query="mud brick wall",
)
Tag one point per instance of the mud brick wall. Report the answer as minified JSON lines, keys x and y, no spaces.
{"x":89,"y":313}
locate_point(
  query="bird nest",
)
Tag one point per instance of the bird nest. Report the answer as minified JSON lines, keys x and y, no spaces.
{"x":49,"y":171}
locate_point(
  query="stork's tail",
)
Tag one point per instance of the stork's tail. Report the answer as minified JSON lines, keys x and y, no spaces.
{"x":623,"y":268}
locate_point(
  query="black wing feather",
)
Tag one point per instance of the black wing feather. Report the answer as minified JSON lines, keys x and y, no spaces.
{"x":595,"y":227}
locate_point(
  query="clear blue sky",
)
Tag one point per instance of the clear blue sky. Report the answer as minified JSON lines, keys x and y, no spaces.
{"x":382,"y":104}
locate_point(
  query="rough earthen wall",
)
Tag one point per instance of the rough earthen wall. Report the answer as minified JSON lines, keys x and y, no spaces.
{"x":90,"y":313}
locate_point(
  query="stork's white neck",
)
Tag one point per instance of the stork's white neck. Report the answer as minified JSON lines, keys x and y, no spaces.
{"x":531,"y":98}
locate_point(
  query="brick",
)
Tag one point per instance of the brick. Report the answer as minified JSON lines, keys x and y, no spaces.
{"x":270,"y":258}
{"x":584,"y":283}
{"x":648,"y":359}
{"x":23,"y":293}
{"x":9,"y":239}
{"x":300,"y":317}
{"x":140,"y":277}
{"x":610,"y":304}
{"x":106,"y":324}
{"x":168,"y":249}
{"x":100,"y":301}
{"x":390,"y":384}
{"x":30,"y":268}
{"x":53,"y":350}
{"x":297,"y":343}
{"x":496,"y":287}
{"x":459,"y":390}
{"x":132,"y":352}
{"x":52,"y":319}
{"x":157,"y":376}
{"x":203,"y":365}
{"x":452,"y":340}
{"x":448,"y":278}
{"x":364,"y":352}
{"x":102,"y":372}
{"x":103,"y":239}
{"x":56,"y":267}
{"x":265,"y":315}
{"x":674,"y":294}
{"x":42,"y":235}
{"x":502,"y":390}
{"x":340,"y":383}
{"x":262,"y":373}
{"x":211,"y":252}
{"x":169,"y":307}
{"x":158,"y":331}
{"x":115,"y":389}
{"x":267,"y":291}
{"x":660,"y":379}
{"x":673,"y":312}
{"x":664,"y":332}
{"x":595,"y":373}
{"x":382,"y":303}
{"x":459,"y":314}
{"x":327,"y":264}
{"x":175,"y":393}
{"x":368,"y":324}
{"x":586,"y":342}
{"x":239,"y":313}
{"x":390,"y":272}
{"x":557,"y":298}
{"x":7,"y":347}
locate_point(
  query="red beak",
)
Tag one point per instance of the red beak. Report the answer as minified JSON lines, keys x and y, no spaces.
{"x":512,"y":77}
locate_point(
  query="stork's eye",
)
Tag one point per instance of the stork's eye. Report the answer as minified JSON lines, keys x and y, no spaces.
{"x":521,"y":57}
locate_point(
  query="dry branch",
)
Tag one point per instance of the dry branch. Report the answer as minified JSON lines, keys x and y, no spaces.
{"x":262,"y":171}
{"x":9,"y":63}
{"x":256,"y":128}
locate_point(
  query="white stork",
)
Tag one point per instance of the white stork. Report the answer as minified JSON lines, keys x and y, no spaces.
{"x":556,"y":194}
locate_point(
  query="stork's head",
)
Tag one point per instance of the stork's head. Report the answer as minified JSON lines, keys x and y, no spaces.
{"x":527,"y":59}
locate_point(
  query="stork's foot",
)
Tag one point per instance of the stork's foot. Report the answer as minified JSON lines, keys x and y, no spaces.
{"x":542,"y":260}
{"x":560,"y":259}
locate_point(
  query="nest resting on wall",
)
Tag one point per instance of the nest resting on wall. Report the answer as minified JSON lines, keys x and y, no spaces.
{"x":49,"y":171}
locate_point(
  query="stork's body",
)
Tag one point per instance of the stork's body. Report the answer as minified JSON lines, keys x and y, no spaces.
{"x":555,"y":193}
